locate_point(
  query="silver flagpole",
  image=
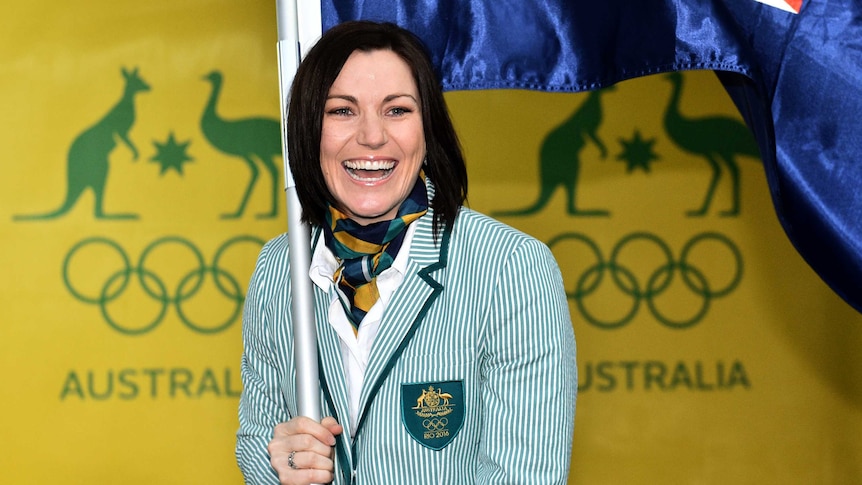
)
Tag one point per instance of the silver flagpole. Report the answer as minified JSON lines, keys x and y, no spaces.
{"x":302,"y":309}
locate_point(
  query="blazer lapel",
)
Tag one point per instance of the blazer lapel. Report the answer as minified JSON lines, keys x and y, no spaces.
{"x":331,"y":368}
{"x":406,"y":309}
{"x":332,"y":379}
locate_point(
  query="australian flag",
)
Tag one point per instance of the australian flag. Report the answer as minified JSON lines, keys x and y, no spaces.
{"x":793,"y":68}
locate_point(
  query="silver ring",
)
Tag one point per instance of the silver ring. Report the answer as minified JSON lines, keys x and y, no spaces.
{"x":290,"y":462}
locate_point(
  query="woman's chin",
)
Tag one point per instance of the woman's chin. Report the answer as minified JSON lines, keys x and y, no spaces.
{"x":369,"y":216}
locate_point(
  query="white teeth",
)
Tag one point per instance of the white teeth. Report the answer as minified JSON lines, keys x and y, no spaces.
{"x":369,"y":164}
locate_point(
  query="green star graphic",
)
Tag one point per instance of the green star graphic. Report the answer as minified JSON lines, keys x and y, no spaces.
{"x":171,"y":154}
{"x":637,"y":152}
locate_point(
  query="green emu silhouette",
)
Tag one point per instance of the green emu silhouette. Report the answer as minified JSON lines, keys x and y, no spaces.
{"x":559,"y":158}
{"x":718,"y":139}
{"x":251,"y":139}
{"x":87,"y":160}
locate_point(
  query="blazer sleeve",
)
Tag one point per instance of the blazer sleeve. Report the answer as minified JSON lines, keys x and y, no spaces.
{"x":261,"y":404}
{"x":529,"y":374}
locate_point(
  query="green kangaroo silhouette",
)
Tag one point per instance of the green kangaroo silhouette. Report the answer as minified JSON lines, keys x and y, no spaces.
{"x":718,"y":139}
{"x":247,"y":138}
{"x":559,"y":157}
{"x":87,"y":160}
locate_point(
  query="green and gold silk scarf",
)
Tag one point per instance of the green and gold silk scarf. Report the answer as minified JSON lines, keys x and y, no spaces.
{"x":366,"y":251}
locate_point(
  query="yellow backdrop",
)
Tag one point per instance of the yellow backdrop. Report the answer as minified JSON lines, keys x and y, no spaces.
{"x":708,"y":351}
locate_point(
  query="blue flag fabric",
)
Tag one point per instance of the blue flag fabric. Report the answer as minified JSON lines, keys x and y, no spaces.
{"x":796,"y":78}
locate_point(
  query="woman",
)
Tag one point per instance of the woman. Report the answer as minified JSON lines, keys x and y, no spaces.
{"x":446,"y":349}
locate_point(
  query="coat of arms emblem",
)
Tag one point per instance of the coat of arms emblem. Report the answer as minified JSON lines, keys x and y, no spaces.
{"x":433,"y":412}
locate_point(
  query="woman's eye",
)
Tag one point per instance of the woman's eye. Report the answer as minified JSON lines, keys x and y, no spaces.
{"x":399,"y":111}
{"x":339,"y":111}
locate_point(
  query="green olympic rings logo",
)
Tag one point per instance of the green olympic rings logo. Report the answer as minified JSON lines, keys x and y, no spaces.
{"x":435,"y":424}
{"x":657,"y":280}
{"x":154,"y":286}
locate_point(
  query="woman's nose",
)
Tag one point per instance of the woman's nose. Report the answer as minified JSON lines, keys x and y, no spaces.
{"x":372,"y":132}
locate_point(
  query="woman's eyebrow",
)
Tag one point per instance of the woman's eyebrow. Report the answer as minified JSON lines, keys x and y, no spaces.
{"x":396,"y":96}
{"x":345,"y":97}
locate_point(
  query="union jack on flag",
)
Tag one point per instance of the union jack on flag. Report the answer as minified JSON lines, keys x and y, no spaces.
{"x":788,"y":5}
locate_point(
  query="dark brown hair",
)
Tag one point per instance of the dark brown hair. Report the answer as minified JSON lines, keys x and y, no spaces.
{"x":318,"y":70}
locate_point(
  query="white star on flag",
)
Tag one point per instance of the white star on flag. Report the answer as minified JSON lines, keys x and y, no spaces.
{"x":792,"y":6}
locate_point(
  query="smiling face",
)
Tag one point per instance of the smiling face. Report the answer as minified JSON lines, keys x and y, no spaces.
{"x":372,"y":142}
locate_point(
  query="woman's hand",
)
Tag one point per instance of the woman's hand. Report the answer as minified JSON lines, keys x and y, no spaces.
{"x":301,"y":450}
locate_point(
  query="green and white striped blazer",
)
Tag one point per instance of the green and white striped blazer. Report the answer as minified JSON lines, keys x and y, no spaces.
{"x":471,"y":380}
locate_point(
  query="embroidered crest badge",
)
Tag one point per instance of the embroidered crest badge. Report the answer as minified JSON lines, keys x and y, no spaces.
{"x":433,"y":412}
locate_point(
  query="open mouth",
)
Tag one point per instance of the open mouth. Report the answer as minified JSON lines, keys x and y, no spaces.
{"x":369,"y":170}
